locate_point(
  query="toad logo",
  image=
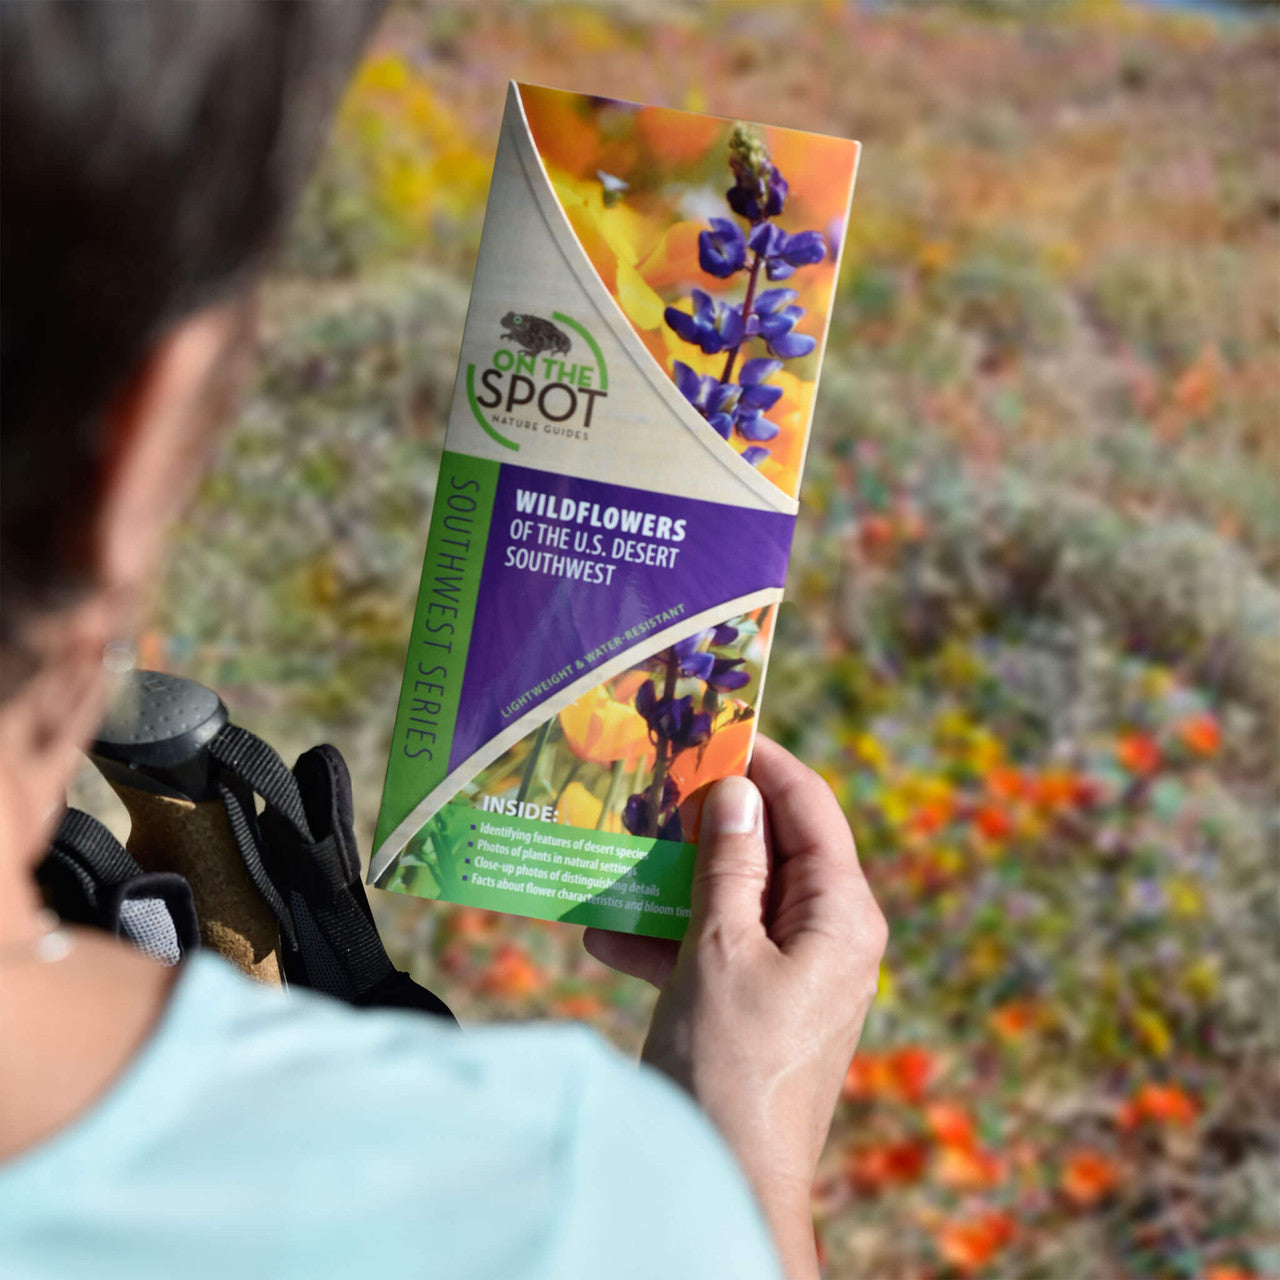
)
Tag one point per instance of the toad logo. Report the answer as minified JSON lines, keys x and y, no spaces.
{"x":535,"y":335}
{"x":536,"y":377}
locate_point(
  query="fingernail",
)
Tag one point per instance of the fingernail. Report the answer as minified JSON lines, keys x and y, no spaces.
{"x":733,"y":808}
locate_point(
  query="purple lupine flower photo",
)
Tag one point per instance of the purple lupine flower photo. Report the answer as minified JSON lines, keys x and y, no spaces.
{"x":759,"y":191}
{"x":683,"y":704}
{"x":782,"y":253}
{"x":727,"y":674}
{"x":735,"y":410}
{"x":774,"y":320}
{"x":722,"y":250}
{"x":714,"y":326}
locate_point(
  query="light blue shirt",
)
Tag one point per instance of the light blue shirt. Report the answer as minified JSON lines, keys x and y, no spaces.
{"x":263,"y":1133}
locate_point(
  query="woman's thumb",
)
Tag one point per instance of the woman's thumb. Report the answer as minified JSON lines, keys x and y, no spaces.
{"x":732,"y":867}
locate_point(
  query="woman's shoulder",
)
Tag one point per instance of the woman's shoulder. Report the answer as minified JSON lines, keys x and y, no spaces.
{"x":266,"y":1035}
{"x":259,"y":1124}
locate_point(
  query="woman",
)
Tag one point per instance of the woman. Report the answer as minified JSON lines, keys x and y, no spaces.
{"x":162,"y":1123}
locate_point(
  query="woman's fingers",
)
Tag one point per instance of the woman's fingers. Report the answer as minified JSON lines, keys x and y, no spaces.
{"x":650,"y":959}
{"x":816,"y":892}
{"x":803,"y":811}
{"x":819,"y":889}
{"x":729,"y":882}
{"x":731,"y":874}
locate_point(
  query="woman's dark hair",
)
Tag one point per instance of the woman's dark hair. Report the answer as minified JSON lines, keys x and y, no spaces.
{"x":149,"y":153}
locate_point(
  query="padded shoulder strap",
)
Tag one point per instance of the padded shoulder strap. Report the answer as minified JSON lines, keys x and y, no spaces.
{"x":89,"y":878}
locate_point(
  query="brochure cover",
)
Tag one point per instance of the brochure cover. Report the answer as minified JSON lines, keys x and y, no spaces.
{"x":614,"y":509}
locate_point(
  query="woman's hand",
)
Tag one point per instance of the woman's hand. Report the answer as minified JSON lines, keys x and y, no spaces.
{"x":763,"y":1002}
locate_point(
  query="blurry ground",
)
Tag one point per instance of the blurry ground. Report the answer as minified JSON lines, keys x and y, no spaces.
{"x":1032,"y":637}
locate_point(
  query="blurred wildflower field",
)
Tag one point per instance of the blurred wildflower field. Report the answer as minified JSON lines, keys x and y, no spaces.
{"x":1032,"y":635}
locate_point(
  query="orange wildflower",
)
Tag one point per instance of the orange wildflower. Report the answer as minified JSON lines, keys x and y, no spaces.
{"x":859,"y":1080}
{"x":968,"y":1244}
{"x":1192,"y":391}
{"x":1006,"y":783}
{"x":1196,"y":388}
{"x":763,"y":618}
{"x":825,"y":163}
{"x":561,"y":133}
{"x":627,"y":685}
{"x":1228,"y":1272}
{"x":511,"y":973}
{"x":867,"y":1077}
{"x":883,"y":1164}
{"x":1138,"y":752}
{"x":601,"y":729}
{"x":993,"y":822}
{"x":1167,"y":1104}
{"x":968,"y":1168}
{"x":875,"y":532}
{"x":1055,"y":790}
{"x":903,"y":1074}
{"x":725,"y":752}
{"x":1088,"y":1176}
{"x":581,"y":1005}
{"x":1015,"y":1018}
{"x":1201,"y":734}
{"x":930,"y":818}
{"x":674,"y":259}
{"x":470,"y":923}
{"x":911,"y":1070}
{"x":950,"y":1124}
{"x":679,"y":138}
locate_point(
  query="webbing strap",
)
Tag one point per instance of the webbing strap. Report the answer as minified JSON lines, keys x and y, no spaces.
{"x":246,"y":757}
{"x":86,"y":839}
{"x":243,"y":823}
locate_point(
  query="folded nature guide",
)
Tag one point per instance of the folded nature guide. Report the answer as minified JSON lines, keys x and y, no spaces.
{"x":615,"y":506}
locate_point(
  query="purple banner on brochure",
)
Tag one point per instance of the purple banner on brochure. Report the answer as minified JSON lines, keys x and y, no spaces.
{"x":576,"y":571}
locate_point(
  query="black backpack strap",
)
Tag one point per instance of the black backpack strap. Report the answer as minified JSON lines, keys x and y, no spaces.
{"x":250,"y":760}
{"x":242,"y":818}
{"x":346,"y":920}
{"x":302,"y":846}
{"x":88,"y":877}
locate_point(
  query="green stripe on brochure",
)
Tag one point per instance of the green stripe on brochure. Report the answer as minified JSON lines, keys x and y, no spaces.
{"x":441,"y":637}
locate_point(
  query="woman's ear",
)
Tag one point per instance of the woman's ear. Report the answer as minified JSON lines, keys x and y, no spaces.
{"x":159,"y":433}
